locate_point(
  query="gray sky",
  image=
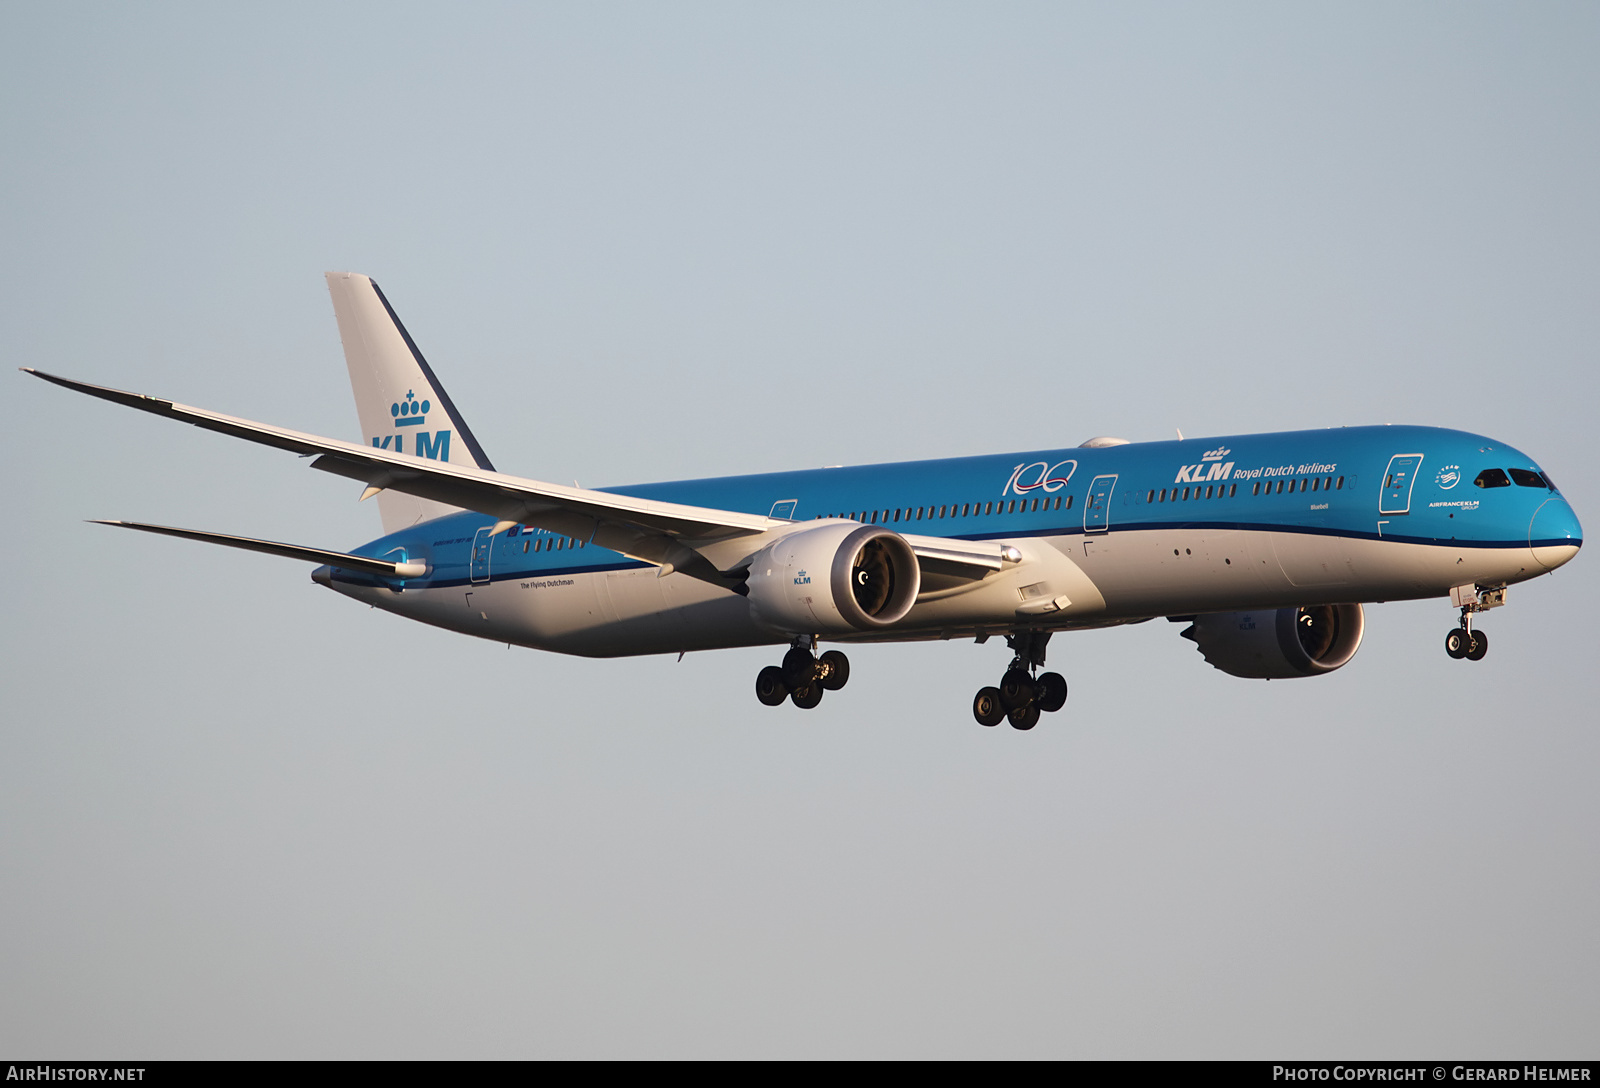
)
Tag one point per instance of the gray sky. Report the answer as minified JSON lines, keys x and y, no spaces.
{"x":242,"y":816}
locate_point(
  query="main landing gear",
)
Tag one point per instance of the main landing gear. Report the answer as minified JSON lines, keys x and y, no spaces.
{"x":1463,"y":641}
{"x":1022,"y":696}
{"x":803,"y":676}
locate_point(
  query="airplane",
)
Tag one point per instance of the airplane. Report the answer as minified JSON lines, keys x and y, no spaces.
{"x":1265,"y":545}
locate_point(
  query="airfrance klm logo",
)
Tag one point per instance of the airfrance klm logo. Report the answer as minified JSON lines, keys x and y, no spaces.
{"x":414,"y":413}
{"x":1211,"y":467}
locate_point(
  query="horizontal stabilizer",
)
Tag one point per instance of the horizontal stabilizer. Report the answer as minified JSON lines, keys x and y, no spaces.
{"x":288,"y":551}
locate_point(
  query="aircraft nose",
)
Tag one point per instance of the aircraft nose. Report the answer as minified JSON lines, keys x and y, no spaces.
{"x":1554,"y":533}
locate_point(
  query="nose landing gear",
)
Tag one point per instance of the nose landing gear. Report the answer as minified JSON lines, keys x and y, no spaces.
{"x":1022,"y":695}
{"x":1463,"y":641}
{"x":803,"y":676}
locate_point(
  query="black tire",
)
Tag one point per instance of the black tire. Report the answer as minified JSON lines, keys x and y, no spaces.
{"x":1052,"y":693}
{"x":806,"y":697}
{"x":1025,"y":716}
{"x":835,"y":671}
{"x":799,"y":667}
{"x":1016,"y":688}
{"x":770,"y":688}
{"x":987,"y":708}
{"x":1457,"y":643}
{"x":1479,"y":647}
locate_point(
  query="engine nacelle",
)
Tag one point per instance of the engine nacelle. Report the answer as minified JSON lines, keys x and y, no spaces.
{"x":834,"y":579}
{"x":1279,"y":644}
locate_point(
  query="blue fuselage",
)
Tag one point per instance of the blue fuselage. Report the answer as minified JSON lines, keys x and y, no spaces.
{"x":1414,"y":485}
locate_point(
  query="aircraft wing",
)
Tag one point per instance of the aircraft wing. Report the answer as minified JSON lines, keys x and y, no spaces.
{"x":400,"y":569}
{"x":663,"y":533}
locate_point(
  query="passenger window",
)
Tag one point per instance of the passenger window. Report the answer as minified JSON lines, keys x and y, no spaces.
{"x":1523,"y":478}
{"x":1316,"y":484}
{"x":1340,"y":485}
{"x":1492,"y":477}
{"x":1280,"y":487}
{"x":1233,"y":489}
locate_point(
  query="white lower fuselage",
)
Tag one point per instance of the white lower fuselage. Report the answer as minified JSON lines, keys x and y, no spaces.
{"x":1063,"y":582}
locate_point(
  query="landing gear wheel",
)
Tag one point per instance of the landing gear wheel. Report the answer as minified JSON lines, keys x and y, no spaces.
{"x":1016,"y":688}
{"x":1025,"y":716}
{"x":806,"y":697}
{"x":1052,"y":692}
{"x":1479,"y":647}
{"x":987,"y":707}
{"x":834,"y":672}
{"x":770,"y":688}
{"x":799,"y":667}
{"x":1457,"y":643}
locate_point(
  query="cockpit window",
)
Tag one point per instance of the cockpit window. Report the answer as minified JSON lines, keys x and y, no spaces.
{"x":1523,"y":478}
{"x":1548,"y":482}
{"x":1492,"y":477}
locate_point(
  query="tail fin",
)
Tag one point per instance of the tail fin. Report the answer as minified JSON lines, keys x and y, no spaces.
{"x":401,"y":404}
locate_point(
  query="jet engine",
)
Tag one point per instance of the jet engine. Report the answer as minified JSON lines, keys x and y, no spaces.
{"x":834,"y":579}
{"x":1278,"y":644}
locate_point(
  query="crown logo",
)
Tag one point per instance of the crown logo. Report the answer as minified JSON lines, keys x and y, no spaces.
{"x":1211,"y":455}
{"x":409,"y":412}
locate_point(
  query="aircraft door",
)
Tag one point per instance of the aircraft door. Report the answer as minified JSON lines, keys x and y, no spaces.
{"x":1097,"y":506}
{"x":482,"y":546}
{"x":1397,"y":483}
